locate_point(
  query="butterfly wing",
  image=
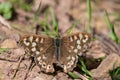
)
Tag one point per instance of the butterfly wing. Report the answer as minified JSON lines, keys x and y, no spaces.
{"x":42,"y":49}
{"x":71,"y":46}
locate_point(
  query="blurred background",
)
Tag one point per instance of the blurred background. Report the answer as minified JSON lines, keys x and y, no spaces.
{"x":25,"y":15}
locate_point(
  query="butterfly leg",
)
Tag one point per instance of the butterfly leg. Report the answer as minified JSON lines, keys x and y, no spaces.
{"x":20,"y":60}
{"x":29,"y":68}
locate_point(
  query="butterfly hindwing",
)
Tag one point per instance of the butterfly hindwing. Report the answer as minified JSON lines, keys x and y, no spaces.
{"x":71,"y":46}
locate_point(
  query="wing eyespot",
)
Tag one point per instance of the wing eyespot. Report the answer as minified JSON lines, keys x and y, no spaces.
{"x":43,"y":65}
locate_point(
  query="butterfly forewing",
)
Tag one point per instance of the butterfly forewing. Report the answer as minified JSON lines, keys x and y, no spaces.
{"x":42,"y":49}
{"x":71,"y":46}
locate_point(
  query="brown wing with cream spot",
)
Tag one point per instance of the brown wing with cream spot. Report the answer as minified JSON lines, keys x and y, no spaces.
{"x":71,"y":46}
{"x":42,"y":49}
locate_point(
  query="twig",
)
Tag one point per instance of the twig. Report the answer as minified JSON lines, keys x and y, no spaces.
{"x":9,"y":60}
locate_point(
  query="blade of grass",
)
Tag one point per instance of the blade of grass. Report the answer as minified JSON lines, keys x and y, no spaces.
{"x":47,"y":24}
{"x":116,"y":15}
{"x":115,"y":74}
{"x":54,"y":21}
{"x":83,"y":67}
{"x":89,"y":28}
{"x":89,"y":10}
{"x":73,"y":27}
{"x":111,"y":26}
{"x":47,"y":27}
{"x":37,"y":13}
{"x":74,"y":76}
{"x":117,"y":71}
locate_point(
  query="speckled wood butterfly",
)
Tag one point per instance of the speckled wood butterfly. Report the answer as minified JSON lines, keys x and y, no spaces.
{"x":62,"y":51}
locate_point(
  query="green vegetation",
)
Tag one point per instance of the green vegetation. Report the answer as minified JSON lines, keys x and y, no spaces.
{"x":50,"y":28}
{"x":6,"y":10}
{"x":3,"y":50}
{"x":74,"y":76}
{"x":72,"y":27}
{"x":115,"y":74}
{"x":113,"y":34}
{"x":83,"y":67}
{"x":27,"y":6}
{"x":89,"y":28}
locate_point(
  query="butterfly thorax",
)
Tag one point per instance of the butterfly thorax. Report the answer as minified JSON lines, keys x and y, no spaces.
{"x":57,"y":44}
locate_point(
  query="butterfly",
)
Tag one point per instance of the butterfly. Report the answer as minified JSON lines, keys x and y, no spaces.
{"x":62,"y":51}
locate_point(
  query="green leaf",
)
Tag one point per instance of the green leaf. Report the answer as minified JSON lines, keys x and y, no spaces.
{"x":7,"y":15}
{"x":26,"y":7}
{"x":7,"y":7}
{"x":6,"y":10}
{"x":73,"y":75}
{"x":1,"y":8}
